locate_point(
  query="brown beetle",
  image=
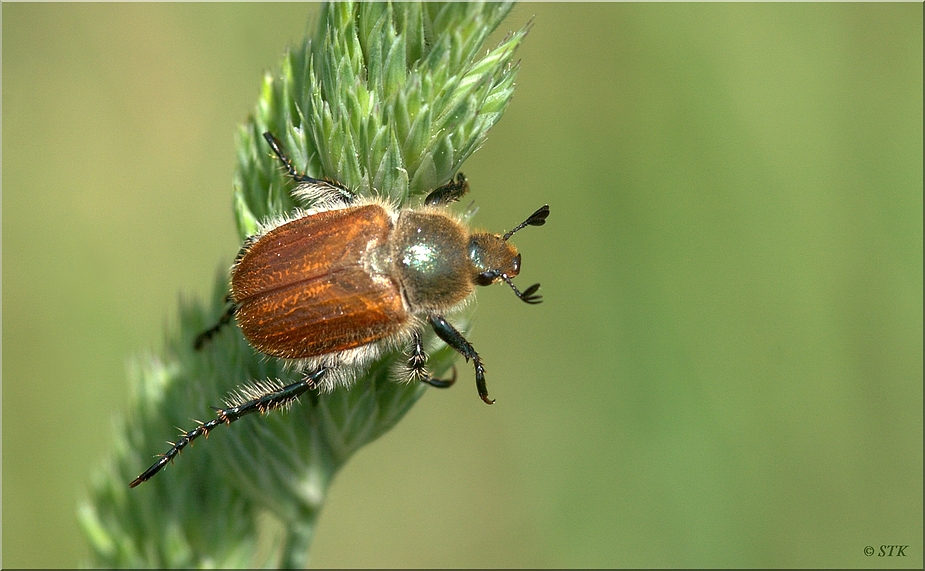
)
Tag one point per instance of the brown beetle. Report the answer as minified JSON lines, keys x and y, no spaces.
{"x":333,"y":287}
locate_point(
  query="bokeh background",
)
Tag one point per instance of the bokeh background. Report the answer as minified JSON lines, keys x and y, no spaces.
{"x":727,"y":368}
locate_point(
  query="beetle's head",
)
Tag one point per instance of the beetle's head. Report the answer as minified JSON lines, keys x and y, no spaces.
{"x":493,"y":258}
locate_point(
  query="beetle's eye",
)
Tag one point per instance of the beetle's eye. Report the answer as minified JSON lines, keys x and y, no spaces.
{"x":486,"y":278}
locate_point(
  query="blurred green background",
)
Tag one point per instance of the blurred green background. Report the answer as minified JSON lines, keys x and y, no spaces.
{"x":727,"y":368}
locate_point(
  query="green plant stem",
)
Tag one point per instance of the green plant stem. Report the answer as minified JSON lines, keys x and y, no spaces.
{"x":299,"y":535}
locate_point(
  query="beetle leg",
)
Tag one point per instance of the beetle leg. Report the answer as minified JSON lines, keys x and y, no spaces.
{"x":321,"y":186}
{"x":449,"y":192}
{"x":417,"y":360}
{"x":441,"y":383}
{"x":417,"y":365}
{"x":265,"y":397}
{"x":455,"y":339}
{"x":271,"y":399}
{"x":208,"y":334}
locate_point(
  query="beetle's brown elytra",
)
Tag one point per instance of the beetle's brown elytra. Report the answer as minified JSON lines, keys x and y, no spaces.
{"x":295,"y":306}
{"x":336,"y":285}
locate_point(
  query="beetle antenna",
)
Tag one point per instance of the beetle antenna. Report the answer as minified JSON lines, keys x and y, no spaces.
{"x":527,"y":296}
{"x":264,"y":397}
{"x":538,"y":218}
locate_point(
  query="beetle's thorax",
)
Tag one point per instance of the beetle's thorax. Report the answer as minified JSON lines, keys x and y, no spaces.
{"x":428,"y":251}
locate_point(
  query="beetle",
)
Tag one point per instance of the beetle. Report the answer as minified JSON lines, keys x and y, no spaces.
{"x":332,"y":287}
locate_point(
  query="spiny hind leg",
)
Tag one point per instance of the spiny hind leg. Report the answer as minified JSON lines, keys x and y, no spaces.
{"x":258,"y":397}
